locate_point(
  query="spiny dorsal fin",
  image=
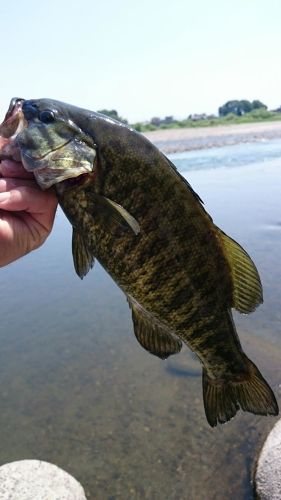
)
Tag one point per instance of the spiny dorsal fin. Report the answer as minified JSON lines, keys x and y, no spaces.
{"x":247,"y":288}
{"x":183,"y":179}
{"x":151,"y":334}
{"x":82,"y":259}
{"x":117,"y":212}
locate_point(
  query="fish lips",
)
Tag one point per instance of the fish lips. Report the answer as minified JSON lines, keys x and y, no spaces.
{"x":14,"y":122}
{"x":60,"y":164}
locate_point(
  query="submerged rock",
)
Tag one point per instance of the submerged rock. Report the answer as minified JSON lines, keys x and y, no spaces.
{"x":268,"y":470}
{"x":27,"y":479}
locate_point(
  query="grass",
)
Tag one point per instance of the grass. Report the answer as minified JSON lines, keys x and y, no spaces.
{"x":257,"y":115}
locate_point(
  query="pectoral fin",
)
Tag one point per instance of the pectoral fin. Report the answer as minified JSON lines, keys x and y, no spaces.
{"x":151,"y":334}
{"x":247,"y":288}
{"x":117,"y":212}
{"x":82,"y":259}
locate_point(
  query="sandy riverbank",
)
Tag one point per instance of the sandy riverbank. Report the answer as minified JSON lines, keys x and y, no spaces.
{"x":185,"y":139}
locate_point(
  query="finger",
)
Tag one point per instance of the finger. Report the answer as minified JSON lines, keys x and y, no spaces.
{"x":9,"y":168}
{"x":32,"y":203}
{"x":6,"y":184}
{"x":28,"y":199}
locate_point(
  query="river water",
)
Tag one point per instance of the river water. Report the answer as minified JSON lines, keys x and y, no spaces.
{"x":78,"y":390}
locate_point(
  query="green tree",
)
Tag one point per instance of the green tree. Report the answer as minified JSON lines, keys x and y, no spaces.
{"x":241,"y":107}
{"x":228,"y":107}
{"x":244,"y":106}
{"x":112,"y":113}
{"x":236,"y":107}
{"x":258,"y":104}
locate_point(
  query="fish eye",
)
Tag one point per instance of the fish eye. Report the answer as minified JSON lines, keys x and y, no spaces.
{"x":47,"y":116}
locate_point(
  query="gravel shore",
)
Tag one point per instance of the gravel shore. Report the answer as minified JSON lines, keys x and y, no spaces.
{"x":185,"y":139}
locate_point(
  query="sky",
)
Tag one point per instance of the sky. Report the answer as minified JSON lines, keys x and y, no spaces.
{"x":143,"y":58}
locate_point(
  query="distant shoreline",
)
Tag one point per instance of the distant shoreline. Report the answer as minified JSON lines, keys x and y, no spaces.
{"x":187,"y":139}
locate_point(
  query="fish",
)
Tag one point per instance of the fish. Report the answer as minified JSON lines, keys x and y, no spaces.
{"x":133,"y":211}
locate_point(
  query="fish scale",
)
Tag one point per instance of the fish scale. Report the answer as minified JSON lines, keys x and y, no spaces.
{"x":143,"y":275}
{"x":132,"y":210}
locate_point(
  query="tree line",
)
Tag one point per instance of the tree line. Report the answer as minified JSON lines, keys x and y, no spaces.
{"x":230,"y":111}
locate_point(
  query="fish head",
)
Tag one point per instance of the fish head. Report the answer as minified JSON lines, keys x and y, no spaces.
{"x":43,"y":134}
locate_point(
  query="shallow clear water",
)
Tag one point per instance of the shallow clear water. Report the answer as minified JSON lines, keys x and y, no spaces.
{"x":78,"y":390}
{"x":228,"y":156}
{"x":241,"y":187}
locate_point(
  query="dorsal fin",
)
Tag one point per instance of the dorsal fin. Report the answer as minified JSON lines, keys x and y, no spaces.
{"x":82,"y":259}
{"x":151,"y":334}
{"x":183,"y":179}
{"x":247,"y":288}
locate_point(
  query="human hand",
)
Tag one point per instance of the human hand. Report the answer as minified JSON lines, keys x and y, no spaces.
{"x":26,"y":212}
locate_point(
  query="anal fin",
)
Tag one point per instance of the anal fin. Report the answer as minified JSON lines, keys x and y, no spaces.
{"x":151,"y":334}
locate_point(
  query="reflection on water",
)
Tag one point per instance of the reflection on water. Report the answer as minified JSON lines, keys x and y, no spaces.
{"x":78,"y":390}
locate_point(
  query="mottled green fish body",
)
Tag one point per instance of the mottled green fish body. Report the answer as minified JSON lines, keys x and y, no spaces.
{"x":141,"y":219}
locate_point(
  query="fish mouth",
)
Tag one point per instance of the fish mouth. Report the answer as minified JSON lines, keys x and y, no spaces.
{"x":13,"y":123}
{"x":59,"y":164}
{"x":70,"y":159}
{"x":47,"y":177}
{"x":12,"y":119}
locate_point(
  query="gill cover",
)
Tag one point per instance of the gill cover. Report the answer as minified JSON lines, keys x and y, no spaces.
{"x":52,"y":146}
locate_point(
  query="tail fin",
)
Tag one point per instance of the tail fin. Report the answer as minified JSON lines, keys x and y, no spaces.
{"x":223,"y":398}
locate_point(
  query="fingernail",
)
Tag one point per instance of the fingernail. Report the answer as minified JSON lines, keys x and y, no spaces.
{"x":4,"y":196}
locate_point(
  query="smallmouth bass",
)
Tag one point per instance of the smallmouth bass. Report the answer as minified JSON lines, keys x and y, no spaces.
{"x":132,"y":210}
